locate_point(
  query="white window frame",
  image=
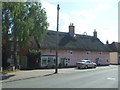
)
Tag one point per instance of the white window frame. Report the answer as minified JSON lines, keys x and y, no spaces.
{"x":42,"y":61}
{"x":70,"y":52}
{"x":100,"y":53}
{"x":88,"y":52}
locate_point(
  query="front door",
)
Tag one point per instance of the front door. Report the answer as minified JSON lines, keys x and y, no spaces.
{"x":62,"y":62}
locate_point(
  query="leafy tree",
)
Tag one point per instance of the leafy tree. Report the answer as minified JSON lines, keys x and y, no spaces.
{"x":23,"y":20}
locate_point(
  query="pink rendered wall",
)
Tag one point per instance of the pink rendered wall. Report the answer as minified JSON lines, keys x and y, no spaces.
{"x":79,"y":55}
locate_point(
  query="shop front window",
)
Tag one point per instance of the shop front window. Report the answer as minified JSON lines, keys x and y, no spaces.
{"x":48,"y":61}
{"x":44,"y":61}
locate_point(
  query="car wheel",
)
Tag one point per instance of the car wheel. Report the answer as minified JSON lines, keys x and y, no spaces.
{"x":78,"y":67}
{"x":94,"y":66}
{"x":86,"y":66}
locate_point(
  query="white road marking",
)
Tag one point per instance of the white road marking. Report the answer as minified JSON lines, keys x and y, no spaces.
{"x":111,"y":78}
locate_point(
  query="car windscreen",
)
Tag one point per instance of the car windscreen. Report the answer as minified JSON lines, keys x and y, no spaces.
{"x":82,"y":61}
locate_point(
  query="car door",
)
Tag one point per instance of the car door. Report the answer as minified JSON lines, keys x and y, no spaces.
{"x":88,"y":64}
{"x":91,"y":64}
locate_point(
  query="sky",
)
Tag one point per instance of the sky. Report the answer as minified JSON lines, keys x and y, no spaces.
{"x":86,"y":15}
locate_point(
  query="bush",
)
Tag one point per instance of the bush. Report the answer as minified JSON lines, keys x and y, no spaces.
{"x":34,"y":58}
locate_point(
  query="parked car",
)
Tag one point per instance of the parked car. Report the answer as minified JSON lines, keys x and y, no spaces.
{"x":86,"y":64}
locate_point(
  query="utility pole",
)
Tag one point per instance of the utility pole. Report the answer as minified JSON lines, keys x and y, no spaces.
{"x":57,"y":37}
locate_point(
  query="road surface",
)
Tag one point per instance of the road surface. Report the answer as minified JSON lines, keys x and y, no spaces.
{"x":87,"y":78}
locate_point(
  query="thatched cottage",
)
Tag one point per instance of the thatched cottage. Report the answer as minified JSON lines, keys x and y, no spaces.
{"x":73,"y":48}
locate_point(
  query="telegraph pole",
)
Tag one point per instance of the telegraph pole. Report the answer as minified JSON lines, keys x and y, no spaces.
{"x":57,"y":37}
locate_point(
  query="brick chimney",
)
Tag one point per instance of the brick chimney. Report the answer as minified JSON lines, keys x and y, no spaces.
{"x":71,"y":29}
{"x":95,"y":33}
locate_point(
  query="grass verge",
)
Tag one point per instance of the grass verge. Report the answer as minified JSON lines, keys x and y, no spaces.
{"x":9,"y":71}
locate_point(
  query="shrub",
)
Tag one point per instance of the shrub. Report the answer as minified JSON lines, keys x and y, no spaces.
{"x":34,"y":58}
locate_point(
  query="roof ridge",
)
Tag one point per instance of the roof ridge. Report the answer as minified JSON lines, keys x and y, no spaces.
{"x":68,"y":33}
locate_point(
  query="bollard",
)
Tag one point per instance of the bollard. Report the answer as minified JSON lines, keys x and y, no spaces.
{"x":1,"y":69}
{"x":13,"y":68}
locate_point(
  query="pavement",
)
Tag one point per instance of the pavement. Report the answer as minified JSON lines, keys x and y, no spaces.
{"x":27,"y":74}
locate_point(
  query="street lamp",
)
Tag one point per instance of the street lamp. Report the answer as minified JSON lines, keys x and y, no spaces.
{"x":56,"y":68}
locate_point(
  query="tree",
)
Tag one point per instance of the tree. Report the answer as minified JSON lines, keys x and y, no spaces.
{"x":23,"y":20}
{"x":0,"y":35}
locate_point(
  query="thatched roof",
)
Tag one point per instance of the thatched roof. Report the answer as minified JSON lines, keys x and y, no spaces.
{"x":114,"y":47}
{"x":77,"y":42}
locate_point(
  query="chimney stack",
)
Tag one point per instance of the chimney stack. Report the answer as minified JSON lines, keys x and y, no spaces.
{"x":95,"y":33}
{"x":107,"y":42}
{"x":71,"y":29}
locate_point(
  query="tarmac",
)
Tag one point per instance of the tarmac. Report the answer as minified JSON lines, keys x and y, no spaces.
{"x":27,"y":74}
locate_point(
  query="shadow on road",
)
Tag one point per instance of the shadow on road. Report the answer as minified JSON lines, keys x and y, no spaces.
{"x":27,"y":78}
{"x":50,"y":74}
{"x":7,"y":76}
{"x":85,"y":68}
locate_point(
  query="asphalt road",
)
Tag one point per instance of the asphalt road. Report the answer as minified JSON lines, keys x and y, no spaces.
{"x":91,"y":78}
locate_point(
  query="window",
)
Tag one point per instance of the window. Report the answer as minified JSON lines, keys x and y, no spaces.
{"x":88,"y":52}
{"x":82,"y":61}
{"x":88,"y":61}
{"x":17,"y":47}
{"x":44,"y":61}
{"x":70,"y":51}
{"x":50,"y":59}
{"x":54,"y":61}
{"x":68,"y":60}
{"x":12,"y":61}
{"x":12,"y":46}
{"x":107,"y":60}
{"x":100,"y":52}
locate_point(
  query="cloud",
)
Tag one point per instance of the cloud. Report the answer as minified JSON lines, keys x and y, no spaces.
{"x":51,"y":14}
{"x":102,"y":6}
{"x":84,"y":21}
{"x":64,"y":19}
{"x":108,"y":33}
